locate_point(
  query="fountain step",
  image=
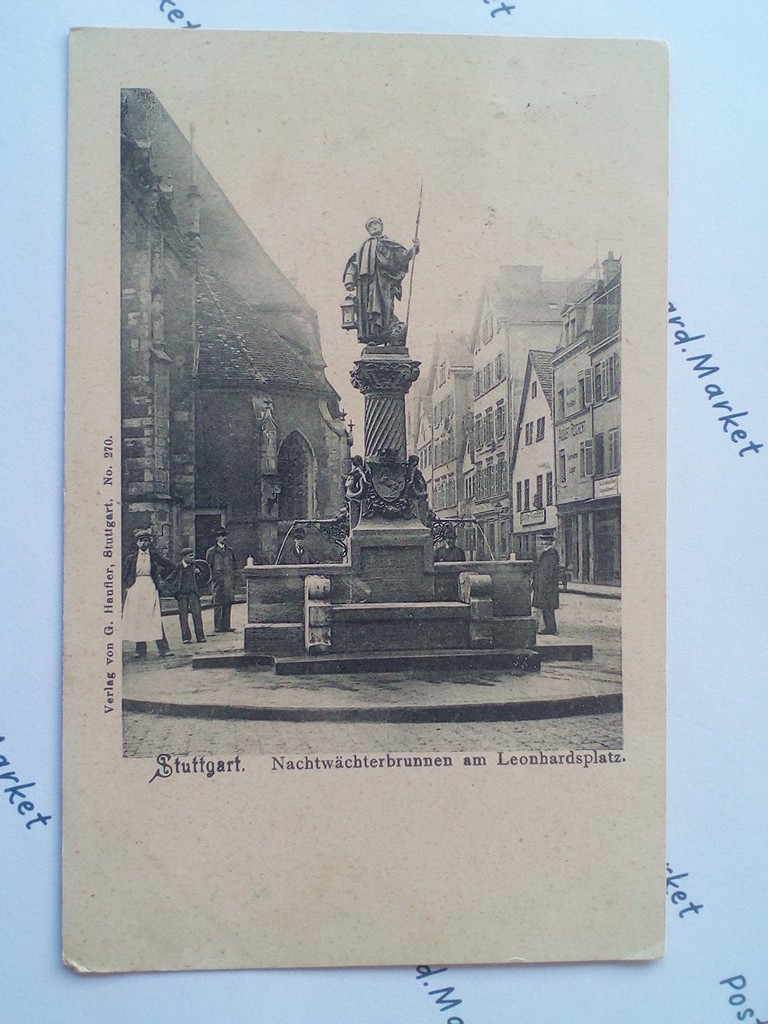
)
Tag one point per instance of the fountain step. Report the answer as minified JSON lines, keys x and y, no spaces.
{"x":400,"y":626}
{"x":407,"y":661}
{"x":274,"y":638}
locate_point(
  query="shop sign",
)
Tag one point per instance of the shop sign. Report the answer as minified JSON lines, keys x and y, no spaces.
{"x":535,"y":518}
{"x":571,"y":429}
{"x":608,"y":487}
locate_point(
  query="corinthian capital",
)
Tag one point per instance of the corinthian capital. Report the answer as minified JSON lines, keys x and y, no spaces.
{"x":385,"y":375}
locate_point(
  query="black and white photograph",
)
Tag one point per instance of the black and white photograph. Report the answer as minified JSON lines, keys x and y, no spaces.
{"x":364,"y":499}
{"x":392,"y":510}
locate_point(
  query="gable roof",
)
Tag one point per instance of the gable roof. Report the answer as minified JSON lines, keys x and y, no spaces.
{"x":519,"y":295}
{"x":539,"y":363}
{"x":542,"y":364}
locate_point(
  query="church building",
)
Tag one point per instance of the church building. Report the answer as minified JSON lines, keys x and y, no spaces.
{"x":228,"y":418}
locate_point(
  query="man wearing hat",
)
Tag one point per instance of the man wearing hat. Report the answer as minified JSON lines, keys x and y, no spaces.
{"x":449,"y":550}
{"x":296,"y":552}
{"x":545,"y":577}
{"x":223,"y":565}
{"x":142,"y":570}
{"x":183,"y":585}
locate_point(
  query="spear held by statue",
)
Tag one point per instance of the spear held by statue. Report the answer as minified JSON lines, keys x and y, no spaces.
{"x":415,"y":254}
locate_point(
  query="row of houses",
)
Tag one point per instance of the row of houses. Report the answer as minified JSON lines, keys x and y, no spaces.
{"x":517,"y":424}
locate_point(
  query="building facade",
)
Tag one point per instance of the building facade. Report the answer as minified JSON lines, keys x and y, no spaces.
{"x":587,"y":412}
{"x":451,"y":392}
{"x":533,"y":459}
{"x":227,"y":416}
{"x":517,"y":312}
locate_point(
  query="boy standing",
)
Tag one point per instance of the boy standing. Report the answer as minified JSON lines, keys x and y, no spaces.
{"x":183,"y":584}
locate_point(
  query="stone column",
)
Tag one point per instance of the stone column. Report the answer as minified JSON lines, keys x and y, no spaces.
{"x":384,"y":376}
{"x":390,"y":548}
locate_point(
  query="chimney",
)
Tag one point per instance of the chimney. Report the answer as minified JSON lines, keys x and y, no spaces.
{"x":611,"y":267}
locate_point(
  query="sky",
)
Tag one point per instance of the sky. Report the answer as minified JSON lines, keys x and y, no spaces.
{"x":530,"y":152}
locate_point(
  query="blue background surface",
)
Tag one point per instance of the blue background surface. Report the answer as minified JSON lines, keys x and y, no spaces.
{"x":717,"y":539}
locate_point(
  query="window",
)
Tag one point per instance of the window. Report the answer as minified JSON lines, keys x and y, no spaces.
{"x":501,"y":418}
{"x":518,"y":496}
{"x":487,"y":331}
{"x":599,"y":453}
{"x":487,"y":381}
{"x":478,"y":383}
{"x":501,"y":475}
{"x":561,"y":404}
{"x":599,"y":375}
{"x":613,"y":374}
{"x":550,"y":489}
{"x":538,"y":500}
{"x":540,"y":429}
{"x":585,"y":389}
{"x":613,"y":460}
{"x":586,"y":459}
{"x":469,"y":486}
{"x":488,"y":425}
{"x":429,"y":454}
{"x":529,"y":433}
{"x":527,"y":495}
{"x":534,"y":389}
{"x":479,"y":439}
{"x":499,"y":367}
{"x":561,"y":465}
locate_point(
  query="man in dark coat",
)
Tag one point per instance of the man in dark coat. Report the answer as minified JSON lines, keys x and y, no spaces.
{"x":545,"y":579}
{"x":143,"y":568}
{"x":449,"y":550}
{"x":296,"y":553}
{"x":182,"y":583}
{"x":223,"y":565}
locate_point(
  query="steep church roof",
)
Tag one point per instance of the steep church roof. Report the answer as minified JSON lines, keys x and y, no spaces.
{"x":155,"y":150}
{"x":240,"y":346}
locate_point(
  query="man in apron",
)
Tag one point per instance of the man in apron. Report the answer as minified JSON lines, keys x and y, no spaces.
{"x":142,"y":570}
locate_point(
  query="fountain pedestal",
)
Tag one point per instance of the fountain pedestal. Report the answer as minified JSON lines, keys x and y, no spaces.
{"x":389,"y":599}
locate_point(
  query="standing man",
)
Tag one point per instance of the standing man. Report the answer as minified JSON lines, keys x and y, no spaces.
{"x":223,"y":566}
{"x":545,"y":577}
{"x":183,"y":586}
{"x":142,"y":570}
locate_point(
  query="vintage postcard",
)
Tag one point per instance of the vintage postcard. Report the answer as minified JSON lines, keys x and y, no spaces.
{"x":365,"y":498}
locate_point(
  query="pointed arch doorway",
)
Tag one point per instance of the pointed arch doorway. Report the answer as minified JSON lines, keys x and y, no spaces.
{"x":297,"y":469}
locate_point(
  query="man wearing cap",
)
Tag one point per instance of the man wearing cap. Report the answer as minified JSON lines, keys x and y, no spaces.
{"x":143,"y":569}
{"x":545,"y":577}
{"x":223,"y":565}
{"x":183,"y":585}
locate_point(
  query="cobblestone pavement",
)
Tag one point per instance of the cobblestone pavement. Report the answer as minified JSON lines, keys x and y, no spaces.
{"x":147,"y":735}
{"x":580,"y":619}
